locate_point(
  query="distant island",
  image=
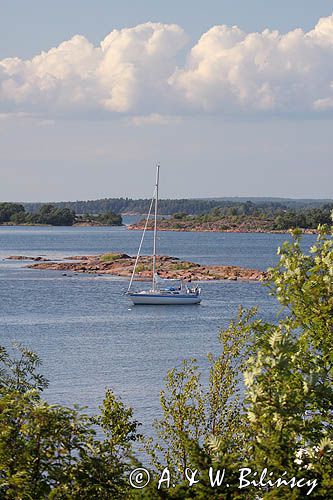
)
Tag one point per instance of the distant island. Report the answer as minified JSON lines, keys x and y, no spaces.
{"x":264,"y":215}
{"x":15,"y":214}
{"x":246,"y":218}
{"x":193,"y":206}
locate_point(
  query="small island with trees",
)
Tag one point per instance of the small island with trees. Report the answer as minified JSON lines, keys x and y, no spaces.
{"x":13,"y":214}
{"x":245,"y":217}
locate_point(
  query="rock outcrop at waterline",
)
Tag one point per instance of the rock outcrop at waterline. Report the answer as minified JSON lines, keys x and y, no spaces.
{"x":118,"y":264}
{"x":24,"y":257}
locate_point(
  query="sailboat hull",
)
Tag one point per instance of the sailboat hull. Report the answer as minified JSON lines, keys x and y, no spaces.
{"x":160,"y":299}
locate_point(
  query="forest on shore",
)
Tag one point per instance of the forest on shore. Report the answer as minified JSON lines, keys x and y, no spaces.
{"x":186,"y":215}
{"x":246,"y":217}
{"x":16,"y":214}
{"x":194,"y":206}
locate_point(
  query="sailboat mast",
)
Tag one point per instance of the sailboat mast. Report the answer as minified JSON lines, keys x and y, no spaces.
{"x":155,"y":227}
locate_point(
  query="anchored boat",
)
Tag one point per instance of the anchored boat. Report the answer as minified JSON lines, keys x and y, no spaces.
{"x":163,"y":292}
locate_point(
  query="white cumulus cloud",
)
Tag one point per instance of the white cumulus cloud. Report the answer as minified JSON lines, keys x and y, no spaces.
{"x":137,"y":71}
{"x":127,"y":73}
{"x":231,"y":70}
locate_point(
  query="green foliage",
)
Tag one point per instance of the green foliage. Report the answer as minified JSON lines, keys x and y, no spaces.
{"x":103,"y":466}
{"x":110,"y":257}
{"x":274,"y":215}
{"x":13,"y":213}
{"x":142,"y":267}
{"x":180,"y":266}
{"x":18,"y":218}
{"x":9,"y":210}
{"x":109,"y":219}
{"x":193,"y":414}
{"x":50,"y":451}
{"x":180,"y":215}
{"x":185,"y":206}
{"x":182,"y":403}
{"x":283,"y":418}
{"x":48,"y":214}
{"x":118,"y":425}
{"x":19,"y":373}
{"x":253,"y":216}
{"x":224,"y":408}
{"x":308,"y":218}
{"x":290,"y":391}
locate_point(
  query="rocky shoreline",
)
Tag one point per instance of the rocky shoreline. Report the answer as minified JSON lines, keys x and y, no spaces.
{"x":120,"y":264}
{"x":25,"y":257}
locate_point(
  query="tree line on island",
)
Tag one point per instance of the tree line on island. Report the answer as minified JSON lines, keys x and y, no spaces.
{"x":16,"y":214}
{"x":180,"y":214}
{"x":195,"y":206}
{"x":249,"y":216}
{"x":262,"y":405}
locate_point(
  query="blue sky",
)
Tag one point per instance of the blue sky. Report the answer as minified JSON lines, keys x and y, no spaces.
{"x":84,"y":122}
{"x":28,"y":27}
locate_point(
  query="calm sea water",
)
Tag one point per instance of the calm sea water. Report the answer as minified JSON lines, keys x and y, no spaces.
{"x":87,"y":333}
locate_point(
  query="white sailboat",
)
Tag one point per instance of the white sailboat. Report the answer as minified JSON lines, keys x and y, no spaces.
{"x":163,"y":292}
